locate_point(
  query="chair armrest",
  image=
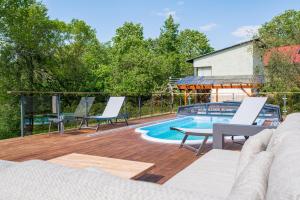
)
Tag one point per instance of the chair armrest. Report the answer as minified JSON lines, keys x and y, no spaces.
{"x":220,"y":130}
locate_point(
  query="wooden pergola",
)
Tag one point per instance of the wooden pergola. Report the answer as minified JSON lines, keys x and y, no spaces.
{"x":193,"y":84}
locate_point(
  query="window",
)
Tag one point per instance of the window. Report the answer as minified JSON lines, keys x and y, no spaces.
{"x":204,"y":71}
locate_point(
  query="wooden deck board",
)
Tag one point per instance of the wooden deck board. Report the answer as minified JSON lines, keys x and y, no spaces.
{"x":121,"y":143}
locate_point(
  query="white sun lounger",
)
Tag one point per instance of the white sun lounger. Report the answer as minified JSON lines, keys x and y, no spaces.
{"x":82,"y":110}
{"x":112,"y":111}
{"x":241,"y":124}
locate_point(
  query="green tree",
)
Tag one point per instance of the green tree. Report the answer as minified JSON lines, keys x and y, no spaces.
{"x":193,"y":43}
{"x":281,"y":74}
{"x":282,"y":30}
{"x":133,"y":71}
{"x":168,"y":39}
{"x":29,"y":42}
{"x":129,"y":37}
{"x":79,"y":57}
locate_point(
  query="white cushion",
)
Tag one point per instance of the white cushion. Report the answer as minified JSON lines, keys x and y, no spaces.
{"x":5,"y":164}
{"x":252,"y":183}
{"x":35,"y":180}
{"x":252,"y":146}
{"x":212,"y":173}
{"x":278,"y":137}
{"x":284,"y":179}
{"x":291,"y":123}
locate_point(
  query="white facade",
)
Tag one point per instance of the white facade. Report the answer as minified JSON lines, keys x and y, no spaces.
{"x":229,"y":94}
{"x":236,"y":60}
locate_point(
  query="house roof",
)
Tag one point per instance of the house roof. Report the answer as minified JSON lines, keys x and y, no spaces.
{"x":221,"y":80}
{"x":291,"y":51}
{"x":220,"y":50}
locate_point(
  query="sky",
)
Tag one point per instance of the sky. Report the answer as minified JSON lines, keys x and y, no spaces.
{"x":225,"y":22}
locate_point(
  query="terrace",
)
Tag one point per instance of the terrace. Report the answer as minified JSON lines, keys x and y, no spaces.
{"x":227,"y":131}
{"x":120,"y":147}
{"x":115,"y":141}
{"x":121,"y":142}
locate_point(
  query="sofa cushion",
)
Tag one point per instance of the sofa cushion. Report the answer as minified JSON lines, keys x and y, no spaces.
{"x":284,"y":179}
{"x":252,"y":146}
{"x":278,"y":137}
{"x":252,"y":183}
{"x":5,"y":164}
{"x":212,"y":173}
{"x":291,"y":123}
{"x":42,"y":180}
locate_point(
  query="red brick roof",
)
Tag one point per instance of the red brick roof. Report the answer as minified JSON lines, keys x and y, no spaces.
{"x":291,"y":51}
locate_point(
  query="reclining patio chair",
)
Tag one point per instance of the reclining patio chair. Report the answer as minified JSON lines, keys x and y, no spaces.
{"x":240,"y":125}
{"x":111,"y":111}
{"x":82,"y":110}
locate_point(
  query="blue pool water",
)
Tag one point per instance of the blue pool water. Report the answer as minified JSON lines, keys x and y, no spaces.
{"x":161,"y":132}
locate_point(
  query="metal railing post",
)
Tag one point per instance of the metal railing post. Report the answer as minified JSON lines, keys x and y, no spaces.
{"x":140,"y":108}
{"x":86,"y":106}
{"x":125,"y":106}
{"x":86,"y":111}
{"x":152,"y":106}
{"x":22,"y":115}
{"x":161,"y":103}
{"x":59,"y":125}
{"x":284,"y":104}
{"x":172,"y":103}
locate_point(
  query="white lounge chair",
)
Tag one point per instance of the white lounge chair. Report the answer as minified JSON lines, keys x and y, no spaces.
{"x":240,"y":125}
{"x":111,"y":111}
{"x":82,"y":110}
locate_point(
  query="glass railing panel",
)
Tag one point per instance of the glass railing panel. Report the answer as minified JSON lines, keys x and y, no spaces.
{"x":39,"y":109}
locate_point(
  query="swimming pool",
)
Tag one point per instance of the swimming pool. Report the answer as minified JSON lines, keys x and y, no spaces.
{"x":161,"y":132}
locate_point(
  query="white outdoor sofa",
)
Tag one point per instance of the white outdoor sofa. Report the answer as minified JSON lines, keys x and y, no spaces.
{"x":268,"y":167}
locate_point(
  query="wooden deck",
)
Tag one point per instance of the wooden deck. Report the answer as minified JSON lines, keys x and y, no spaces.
{"x":122,"y":143}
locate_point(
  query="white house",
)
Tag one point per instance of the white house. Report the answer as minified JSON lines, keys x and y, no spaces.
{"x":229,"y":74}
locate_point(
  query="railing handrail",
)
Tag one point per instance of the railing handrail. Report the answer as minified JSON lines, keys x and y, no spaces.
{"x":153,"y":93}
{"x":52,"y":92}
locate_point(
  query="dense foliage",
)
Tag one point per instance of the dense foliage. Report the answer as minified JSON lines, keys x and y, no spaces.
{"x":41,"y":54}
{"x":283,"y":30}
{"x":282,"y":74}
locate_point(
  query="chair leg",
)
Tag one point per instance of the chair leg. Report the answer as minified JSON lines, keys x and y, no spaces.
{"x":49,"y":130}
{"x":183,"y":141}
{"x":81,"y":123}
{"x":62,"y":128}
{"x":98,"y":127}
{"x":200,"y":149}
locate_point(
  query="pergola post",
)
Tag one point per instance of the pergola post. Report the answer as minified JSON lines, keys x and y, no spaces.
{"x":185,"y":97}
